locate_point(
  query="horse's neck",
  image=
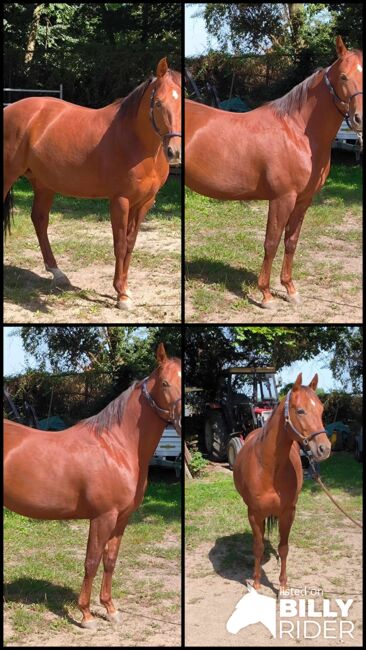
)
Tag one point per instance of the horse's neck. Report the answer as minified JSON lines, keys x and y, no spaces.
{"x":140,"y":427}
{"x":276,"y":444}
{"x":320,"y":115}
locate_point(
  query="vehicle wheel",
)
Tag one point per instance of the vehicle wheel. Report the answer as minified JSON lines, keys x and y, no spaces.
{"x":215,"y":436}
{"x":233,"y":448}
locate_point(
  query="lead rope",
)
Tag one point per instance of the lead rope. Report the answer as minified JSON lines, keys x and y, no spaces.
{"x":314,"y":474}
{"x":317,"y":478}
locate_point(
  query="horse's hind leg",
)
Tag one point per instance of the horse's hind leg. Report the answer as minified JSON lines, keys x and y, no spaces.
{"x":43,"y":198}
{"x":292,"y":233}
{"x":110,"y":555}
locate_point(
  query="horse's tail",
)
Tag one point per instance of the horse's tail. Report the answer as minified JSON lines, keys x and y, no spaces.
{"x":8,"y":211}
{"x":272,"y":523}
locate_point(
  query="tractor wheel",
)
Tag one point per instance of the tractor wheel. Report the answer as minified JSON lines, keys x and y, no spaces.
{"x":215,"y":436}
{"x":233,"y":448}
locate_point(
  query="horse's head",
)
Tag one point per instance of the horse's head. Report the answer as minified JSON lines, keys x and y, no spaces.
{"x":167,"y":392}
{"x":165,"y":110}
{"x":303,"y":414}
{"x":345,"y":76}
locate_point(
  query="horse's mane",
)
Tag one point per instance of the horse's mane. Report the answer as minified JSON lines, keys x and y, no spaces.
{"x":295,"y":98}
{"x":131,"y":103}
{"x":112,"y":413}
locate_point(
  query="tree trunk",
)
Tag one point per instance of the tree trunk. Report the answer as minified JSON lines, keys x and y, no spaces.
{"x":32,"y":38}
{"x":296,"y":13}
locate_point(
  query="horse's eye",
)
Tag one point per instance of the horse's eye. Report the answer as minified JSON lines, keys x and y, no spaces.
{"x":165,"y":384}
{"x":158,"y":103}
{"x":344,"y":77}
{"x":300,"y":411}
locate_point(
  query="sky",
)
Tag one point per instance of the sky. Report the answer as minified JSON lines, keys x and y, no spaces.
{"x":15,"y":362}
{"x":197,"y":40}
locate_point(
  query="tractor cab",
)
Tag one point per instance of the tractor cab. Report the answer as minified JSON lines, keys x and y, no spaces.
{"x":244,"y":400}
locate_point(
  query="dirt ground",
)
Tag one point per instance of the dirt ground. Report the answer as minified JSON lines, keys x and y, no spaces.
{"x":212,"y":591}
{"x":155,"y":285}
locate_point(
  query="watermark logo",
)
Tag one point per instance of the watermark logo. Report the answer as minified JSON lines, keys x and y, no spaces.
{"x":300,"y":615}
{"x":253,"y":608}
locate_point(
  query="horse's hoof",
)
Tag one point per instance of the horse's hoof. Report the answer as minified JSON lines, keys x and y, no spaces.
{"x":125,"y":304}
{"x":269,"y":304}
{"x":115,"y":618}
{"x":89,"y":624}
{"x":293,"y":298}
{"x":60,"y":280}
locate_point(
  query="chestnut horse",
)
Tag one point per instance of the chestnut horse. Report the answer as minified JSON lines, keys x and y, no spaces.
{"x":268,"y":472}
{"x":95,"y":470}
{"x":119,"y":152}
{"x":279,"y":152}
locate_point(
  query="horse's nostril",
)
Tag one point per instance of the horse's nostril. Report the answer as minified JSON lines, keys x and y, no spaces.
{"x":357,"y":118}
{"x":170,"y":153}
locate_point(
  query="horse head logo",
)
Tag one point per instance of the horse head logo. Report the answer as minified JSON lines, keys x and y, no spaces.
{"x":253,"y":608}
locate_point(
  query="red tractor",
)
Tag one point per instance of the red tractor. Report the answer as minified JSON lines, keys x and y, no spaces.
{"x":244,"y":400}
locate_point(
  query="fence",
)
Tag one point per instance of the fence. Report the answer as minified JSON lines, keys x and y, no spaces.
{"x":32,"y":91}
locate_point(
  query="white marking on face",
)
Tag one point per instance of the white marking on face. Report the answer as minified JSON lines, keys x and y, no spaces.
{"x":179,"y":373}
{"x":359,"y":67}
{"x":175,"y":94}
{"x":313,"y":402}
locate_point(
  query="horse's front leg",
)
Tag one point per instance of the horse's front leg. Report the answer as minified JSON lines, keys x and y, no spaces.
{"x":100,"y":532}
{"x":136,"y":216}
{"x":110,"y":555}
{"x":278,"y":215}
{"x":119,"y":210}
{"x":292,"y":233}
{"x":257,"y":523}
{"x":285,"y":523}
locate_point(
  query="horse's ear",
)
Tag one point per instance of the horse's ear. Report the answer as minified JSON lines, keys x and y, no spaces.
{"x":161,"y":354}
{"x":298,"y":382}
{"x":314,"y":382}
{"x":162,"y":67}
{"x":340,"y":47}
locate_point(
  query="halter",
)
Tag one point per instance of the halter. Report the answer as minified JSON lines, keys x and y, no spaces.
{"x":304,"y":440}
{"x":158,"y":410}
{"x":336,"y":98}
{"x":163,"y":136}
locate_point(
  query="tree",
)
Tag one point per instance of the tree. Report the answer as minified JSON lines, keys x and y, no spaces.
{"x":210,"y":349}
{"x":125,"y":352}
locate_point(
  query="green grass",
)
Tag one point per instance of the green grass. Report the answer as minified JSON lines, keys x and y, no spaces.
{"x":224,"y":242}
{"x":44,"y":562}
{"x":215,"y":510}
{"x":73,"y":238}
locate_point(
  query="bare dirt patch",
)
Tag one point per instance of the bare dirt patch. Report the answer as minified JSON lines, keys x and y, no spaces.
{"x":154,"y":280}
{"x":213,"y":590}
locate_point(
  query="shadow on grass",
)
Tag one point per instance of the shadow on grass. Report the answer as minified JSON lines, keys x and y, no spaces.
{"x":28,"y":591}
{"x":232,"y":558}
{"x":27,"y":289}
{"x":211,"y":272}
